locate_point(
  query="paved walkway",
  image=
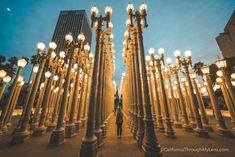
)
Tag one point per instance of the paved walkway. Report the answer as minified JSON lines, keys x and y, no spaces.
{"x":119,"y":147}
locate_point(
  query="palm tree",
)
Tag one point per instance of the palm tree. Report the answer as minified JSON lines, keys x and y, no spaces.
{"x":2,"y":59}
{"x":213,"y":70}
{"x":33,"y":60}
{"x":197,"y":68}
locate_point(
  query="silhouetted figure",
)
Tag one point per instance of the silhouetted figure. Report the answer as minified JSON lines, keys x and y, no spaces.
{"x":119,"y":121}
{"x":116,"y":101}
{"x":120,"y":102}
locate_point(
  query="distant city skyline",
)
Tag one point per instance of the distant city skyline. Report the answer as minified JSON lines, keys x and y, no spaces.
{"x":173,"y":25}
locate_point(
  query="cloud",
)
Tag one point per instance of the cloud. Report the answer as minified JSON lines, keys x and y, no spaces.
{"x":8,"y":9}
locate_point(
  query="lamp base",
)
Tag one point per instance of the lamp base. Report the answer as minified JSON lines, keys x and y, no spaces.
{"x":70,"y":130}
{"x":225,"y":133}
{"x":202,"y":132}
{"x":89,"y":147}
{"x":20,"y":137}
{"x":57,"y":137}
{"x":39,"y":131}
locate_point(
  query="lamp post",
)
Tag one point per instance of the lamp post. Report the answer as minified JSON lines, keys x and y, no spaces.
{"x":223,"y":131}
{"x":3,"y":73}
{"x":21,"y":64}
{"x":174,"y":69}
{"x":150,"y":142}
{"x":222,"y":65}
{"x":227,"y":98}
{"x":185,"y":62}
{"x":6,"y":80}
{"x":72,"y":50}
{"x":169,"y":130}
{"x":89,"y":142}
{"x":22,"y":133}
{"x":205,"y":121}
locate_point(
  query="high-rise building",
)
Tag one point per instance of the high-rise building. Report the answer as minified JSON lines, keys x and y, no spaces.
{"x":74,"y":21}
{"x":226,"y":40}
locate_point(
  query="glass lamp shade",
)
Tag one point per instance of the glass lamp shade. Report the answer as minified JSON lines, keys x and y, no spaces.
{"x":62,"y":54}
{"x":130,"y":8}
{"x":123,"y":74}
{"x":87,"y":47}
{"x":69,"y":37}
{"x":183,"y":79}
{"x":193,"y":75}
{"x":126,"y":34}
{"x":177,"y":53}
{"x":2,"y":73}
{"x":75,"y":66}
{"x":111,"y":36}
{"x":110,"y":25}
{"x":94,"y":10}
{"x":219,"y":80}
{"x":56,"y":77}
{"x":219,"y":73}
{"x":52,"y":45}
{"x":108,"y":10}
{"x":81,"y":37}
{"x":20,"y":78}
{"x":124,"y":43}
{"x":221,"y":63}
{"x":128,"y":22}
{"x":216,"y":87}
{"x":91,"y":55}
{"x":21,"y":62}
{"x":6,"y":79}
{"x":47,"y":74}
{"x":143,"y":7}
{"x":187,"y":53}
{"x":161,"y":51}
{"x":233,"y":76}
{"x":147,"y":58}
{"x":22,"y":83}
{"x":35,"y":69}
{"x":53,"y":55}
{"x":41,"y":46}
{"x":168,"y":60}
{"x":42,"y":85}
{"x":205,"y":70}
{"x":151,"y":51}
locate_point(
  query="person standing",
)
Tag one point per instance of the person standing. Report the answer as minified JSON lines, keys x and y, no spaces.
{"x":119,"y":121}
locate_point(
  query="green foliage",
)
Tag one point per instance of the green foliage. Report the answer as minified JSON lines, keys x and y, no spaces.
{"x":197,"y":68}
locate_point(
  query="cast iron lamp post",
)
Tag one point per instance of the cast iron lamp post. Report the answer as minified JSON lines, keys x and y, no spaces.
{"x":89,"y":142}
{"x":150,"y":142}
{"x":169,"y":130}
{"x":185,"y":62}
{"x":223,"y":131}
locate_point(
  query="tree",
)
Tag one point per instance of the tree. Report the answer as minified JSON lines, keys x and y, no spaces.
{"x":197,"y":68}
{"x":33,"y":60}
{"x":2,"y":59}
{"x":213,"y":70}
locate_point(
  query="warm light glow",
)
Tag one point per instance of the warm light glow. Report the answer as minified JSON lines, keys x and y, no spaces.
{"x":205,"y":70}
{"x":188,"y":53}
{"x":177,"y":53}
{"x":87,"y":47}
{"x":108,"y":10}
{"x":233,"y":75}
{"x":216,"y":87}
{"x":42,"y":85}
{"x":151,"y":51}
{"x":94,"y":10}
{"x":69,"y":37}
{"x":183,"y":79}
{"x":126,"y":34}
{"x":161,"y":51}
{"x":130,"y":8}
{"x":52,"y":45}
{"x":35,"y":69}
{"x":47,"y":74}
{"x":110,"y":25}
{"x":41,"y":46}
{"x":6,"y":79}
{"x":91,"y":55}
{"x":21,"y":62}
{"x":221,"y":63}
{"x":168,"y":60}
{"x":22,"y":83}
{"x":62,"y":54}
{"x":128,"y":22}
{"x":193,"y":75}
{"x":143,"y":7}
{"x":20,"y":78}
{"x":56,"y":77}
{"x":53,"y":55}
{"x":147,"y":58}
{"x":111,"y":36}
{"x":2,"y":73}
{"x":75,"y":66}
{"x":219,"y":73}
{"x":81,"y":37}
{"x":219,"y":80}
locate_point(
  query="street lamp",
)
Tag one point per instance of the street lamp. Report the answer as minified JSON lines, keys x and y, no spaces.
{"x":223,"y":131}
{"x":150,"y":143}
{"x":169,"y":130}
{"x":186,"y":61}
{"x":21,"y":63}
{"x":222,"y":65}
{"x":3,"y":73}
{"x":6,"y":80}
{"x":201,"y":103}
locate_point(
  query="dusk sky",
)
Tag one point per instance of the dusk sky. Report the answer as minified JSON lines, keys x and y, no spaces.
{"x":173,"y":24}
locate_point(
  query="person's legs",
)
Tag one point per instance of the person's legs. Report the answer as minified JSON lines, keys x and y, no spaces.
{"x":120,"y":130}
{"x":117,"y":130}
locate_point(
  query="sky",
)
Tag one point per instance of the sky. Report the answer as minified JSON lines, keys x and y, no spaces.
{"x":173,"y":25}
